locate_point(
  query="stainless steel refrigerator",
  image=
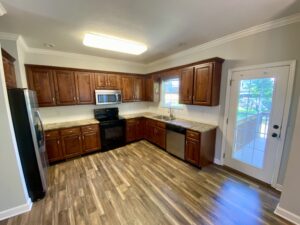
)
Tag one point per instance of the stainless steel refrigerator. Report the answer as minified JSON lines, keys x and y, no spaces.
{"x":30,"y":140}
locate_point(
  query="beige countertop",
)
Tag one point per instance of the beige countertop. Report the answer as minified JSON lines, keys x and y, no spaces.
{"x":76,"y":123}
{"x":192,"y":125}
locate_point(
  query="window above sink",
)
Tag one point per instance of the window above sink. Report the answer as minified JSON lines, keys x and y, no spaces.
{"x":170,"y":93}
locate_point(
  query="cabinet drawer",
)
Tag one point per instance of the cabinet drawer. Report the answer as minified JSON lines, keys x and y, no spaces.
{"x":160,"y":124}
{"x":70,"y":131}
{"x":192,"y":134}
{"x":90,"y":128}
{"x":52,"y":134}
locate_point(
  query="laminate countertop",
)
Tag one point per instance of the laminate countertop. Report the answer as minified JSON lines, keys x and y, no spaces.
{"x":188,"y":124}
{"x":76,"y":123}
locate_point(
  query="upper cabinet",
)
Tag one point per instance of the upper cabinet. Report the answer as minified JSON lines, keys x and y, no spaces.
{"x":85,"y":87}
{"x":200,"y":84}
{"x":9,"y":70}
{"x":41,"y":80}
{"x":132,"y":88}
{"x":65,"y":87}
{"x":107,"y":81}
{"x":149,"y":88}
{"x":61,"y":86}
{"x":186,"y":85}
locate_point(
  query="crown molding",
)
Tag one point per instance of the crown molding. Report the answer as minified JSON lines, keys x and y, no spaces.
{"x":231,"y":37}
{"x":9,"y":36}
{"x":185,"y":53}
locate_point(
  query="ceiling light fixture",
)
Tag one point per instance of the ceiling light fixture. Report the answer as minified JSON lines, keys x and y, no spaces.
{"x":112,"y":43}
{"x":2,"y":10}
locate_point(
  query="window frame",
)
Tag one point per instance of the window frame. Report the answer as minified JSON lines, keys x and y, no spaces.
{"x":162,"y":95}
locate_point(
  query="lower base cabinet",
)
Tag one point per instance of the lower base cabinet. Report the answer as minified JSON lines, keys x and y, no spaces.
{"x":71,"y":142}
{"x":200,"y":147}
{"x":156,"y":132}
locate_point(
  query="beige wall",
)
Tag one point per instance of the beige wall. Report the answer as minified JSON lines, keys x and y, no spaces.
{"x":290,"y":198}
{"x":13,"y":191}
{"x":275,"y":45}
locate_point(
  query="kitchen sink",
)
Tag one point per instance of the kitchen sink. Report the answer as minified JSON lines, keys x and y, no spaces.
{"x":162,"y":117}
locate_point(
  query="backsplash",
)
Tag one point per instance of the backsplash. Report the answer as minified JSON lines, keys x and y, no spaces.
{"x":79,"y":112}
{"x":209,"y":115}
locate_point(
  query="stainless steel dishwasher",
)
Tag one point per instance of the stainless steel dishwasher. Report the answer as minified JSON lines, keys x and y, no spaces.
{"x":175,"y":140}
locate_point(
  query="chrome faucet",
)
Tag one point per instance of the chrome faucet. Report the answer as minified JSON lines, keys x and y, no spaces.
{"x":171,"y":114}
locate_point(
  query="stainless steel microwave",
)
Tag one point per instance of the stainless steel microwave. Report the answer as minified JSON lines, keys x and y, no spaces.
{"x":105,"y":97}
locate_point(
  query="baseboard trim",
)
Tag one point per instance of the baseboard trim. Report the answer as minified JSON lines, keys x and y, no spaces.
{"x":16,"y":210}
{"x":218,"y":162}
{"x":287,"y":215}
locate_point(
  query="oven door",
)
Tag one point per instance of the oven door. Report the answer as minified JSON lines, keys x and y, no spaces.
{"x":112,"y":134}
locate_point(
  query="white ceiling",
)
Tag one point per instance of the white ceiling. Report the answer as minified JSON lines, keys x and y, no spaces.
{"x":165,"y":26}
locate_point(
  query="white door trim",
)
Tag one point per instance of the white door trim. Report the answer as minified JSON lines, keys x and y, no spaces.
{"x":292,"y":65}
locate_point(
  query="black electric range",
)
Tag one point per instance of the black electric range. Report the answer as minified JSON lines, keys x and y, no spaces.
{"x":112,"y":128}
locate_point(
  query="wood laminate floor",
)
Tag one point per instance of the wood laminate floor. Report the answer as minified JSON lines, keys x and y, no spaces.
{"x":141,"y":184}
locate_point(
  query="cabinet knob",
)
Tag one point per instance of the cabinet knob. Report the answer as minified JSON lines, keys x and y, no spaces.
{"x":53,"y":99}
{"x":58,"y":142}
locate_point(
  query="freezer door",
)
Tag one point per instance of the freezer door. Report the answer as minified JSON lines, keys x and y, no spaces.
{"x":37,"y":134}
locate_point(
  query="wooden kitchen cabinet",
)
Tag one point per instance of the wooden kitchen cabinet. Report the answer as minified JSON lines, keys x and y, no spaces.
{"x":132,"y":88}
{"x":200,"y":84}
{"x":155,"y":132}
{"x":200,"y":147}
{"x":9,"y":70}
{"x":149,"y":88}
{"x":127,"y":88}
{"x":41,"y":81}
{"x":134,"y":129}
{"x":53,"y":146}
{"x":90,"y":138}
{"x":138,"y":88}
{"x":71,"y":142}
{"x":186,"y":85}
{"x":107,"y":81}
{"x":65,"y":87}
{"x":192,"y":151}
{"x":85,"y":88}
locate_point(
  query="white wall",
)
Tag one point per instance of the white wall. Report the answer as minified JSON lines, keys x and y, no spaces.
{"x":279,"y":44}
{"x":56,"y":58}
{"x":80,"y":112}
{"x":13,"y":193}
{"x":289,"y":205}
{"x":15,"y":49}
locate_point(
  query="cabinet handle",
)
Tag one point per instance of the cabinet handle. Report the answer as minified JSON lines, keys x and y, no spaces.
{"x":74,"y":98}
{"x":53,"y":99}
{"x":79,"y":138}
{"x":58,"y":142}
{"x":83,"y":137}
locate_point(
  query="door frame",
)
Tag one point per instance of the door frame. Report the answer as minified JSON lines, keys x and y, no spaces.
{"x":292,"y":66}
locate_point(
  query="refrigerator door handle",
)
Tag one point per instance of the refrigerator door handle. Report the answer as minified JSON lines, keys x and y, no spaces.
{"x":40,"y":120}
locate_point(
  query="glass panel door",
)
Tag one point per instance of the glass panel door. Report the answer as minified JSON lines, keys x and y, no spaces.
{"x":252,"y":120}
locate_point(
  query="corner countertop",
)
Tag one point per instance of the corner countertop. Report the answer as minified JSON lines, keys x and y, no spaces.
{"x":76,"y":123}
{"x":188,"y":124}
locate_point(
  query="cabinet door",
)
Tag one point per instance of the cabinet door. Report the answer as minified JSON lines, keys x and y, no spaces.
{"x":140,"y":128}
{"x":72,"y":145}
{"x":41,"y":81}
{"x":54,"y":150}
{"x":203,"y":84}
{"x":192,"y":151}
{"x":9,"y":73}
{"x":127,"y":89}
{"x":90,"y":141}
{"x":149,"y":88}
{"x":100,"y":80}
{"x":85,"y":87}
{"x":186,"y":85}
{"x":131,"y":134}
{"x":65,"y":88}
{"x":160,"y":137}
{"x":112,"y":81}
{"x":138,"y":89}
